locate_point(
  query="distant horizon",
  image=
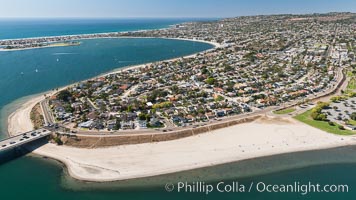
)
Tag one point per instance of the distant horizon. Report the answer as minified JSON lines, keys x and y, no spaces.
{"x":115,"y":17}
{"x":167,"y":9}
{"x":140,"y":18}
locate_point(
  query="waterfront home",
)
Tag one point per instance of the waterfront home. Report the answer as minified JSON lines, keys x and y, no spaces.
{"x":87,"y":124}
{"x":210,"y":115}
{"x":127,"y":125}
{"x":110,"y":124}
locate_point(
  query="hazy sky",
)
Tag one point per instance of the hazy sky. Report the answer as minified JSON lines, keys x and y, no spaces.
{"x":166,"y":8}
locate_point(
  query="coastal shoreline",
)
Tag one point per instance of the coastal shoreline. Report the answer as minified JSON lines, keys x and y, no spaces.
{"x":231,"y":144}
{"x":153,"y":159}
{"x":22,"y":113}
{"x":81,"y":169}
{"x":215,"y":44}
{"x":88,"y":34}
{"x":238,"y":143}
{"x":95,"y":36}
{"x":42,"y":47}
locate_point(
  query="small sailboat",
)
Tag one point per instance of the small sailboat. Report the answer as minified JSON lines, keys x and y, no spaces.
{"x":36,"y":70}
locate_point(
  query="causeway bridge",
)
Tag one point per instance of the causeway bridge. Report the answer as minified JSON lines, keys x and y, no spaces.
{"x":22,"y":139}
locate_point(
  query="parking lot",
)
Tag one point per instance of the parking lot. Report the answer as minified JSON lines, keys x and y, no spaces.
{"x":341,"y":111}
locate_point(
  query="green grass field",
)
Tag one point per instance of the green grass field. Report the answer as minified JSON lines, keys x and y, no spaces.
{"x":349,"y":73}
{"x":322,"y":125}
{"x":352,"y":84}
{"x":352,"y":122}
{"x":284,"y":111}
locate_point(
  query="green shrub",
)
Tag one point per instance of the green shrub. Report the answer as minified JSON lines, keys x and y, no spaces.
{"x":210,"y":81}
{"x":316,"y":112}
{"x":353,"y":116}
{"x":58,"y":140}
{"x":331,"y":123}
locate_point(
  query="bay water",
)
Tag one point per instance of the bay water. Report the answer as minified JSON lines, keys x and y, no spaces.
{"x":29,"y":72}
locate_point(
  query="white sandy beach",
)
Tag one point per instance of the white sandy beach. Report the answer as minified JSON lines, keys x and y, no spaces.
{"x":215,"y":44}
{"x":264,"y":137}
{"x":240,"y":142}
{"x":251,"y":140}
{"x":19,"y":121}
{"x":22,"y":114}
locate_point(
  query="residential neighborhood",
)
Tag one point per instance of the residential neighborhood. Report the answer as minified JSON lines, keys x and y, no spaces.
{"x":261,"y":61}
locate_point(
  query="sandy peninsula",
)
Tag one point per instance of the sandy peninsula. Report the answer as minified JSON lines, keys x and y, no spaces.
{"x":62,"y":44}
{"x":264,"y":137}
{"x":19,"y":121}
{"x":251,"y":140}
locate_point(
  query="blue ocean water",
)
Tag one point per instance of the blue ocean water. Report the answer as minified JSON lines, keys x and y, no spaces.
{"x":28,"y":72}
{"x":26,"y":28}
{"x":97,"y":56}
{"x":34,"y":71}
{"x":41,"y":179}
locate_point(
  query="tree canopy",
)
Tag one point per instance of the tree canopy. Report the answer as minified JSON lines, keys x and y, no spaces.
{"x":64,"y":95}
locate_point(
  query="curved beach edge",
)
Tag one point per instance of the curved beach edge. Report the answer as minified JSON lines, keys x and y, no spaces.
{"x":265,"y":137}
{"x":235,"y":143}
{"x":19,"y":121}
{"x":251,"y":140}
{"x":147,"y":160}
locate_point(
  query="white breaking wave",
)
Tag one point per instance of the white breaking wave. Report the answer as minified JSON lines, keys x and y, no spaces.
{"x":56,"y":54}
{"x":125,"y":61}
